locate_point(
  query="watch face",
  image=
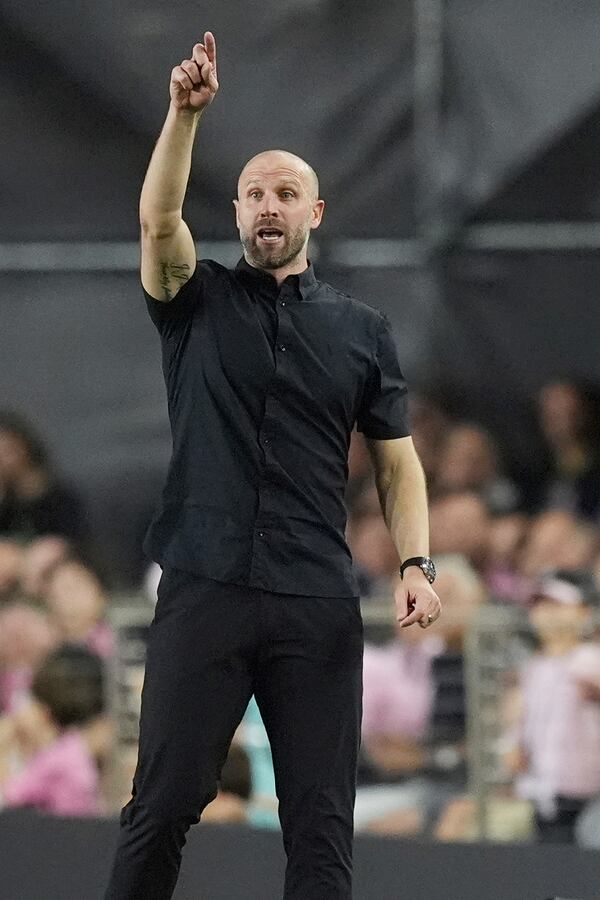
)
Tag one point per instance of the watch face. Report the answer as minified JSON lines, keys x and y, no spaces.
{"x":429,"y":569}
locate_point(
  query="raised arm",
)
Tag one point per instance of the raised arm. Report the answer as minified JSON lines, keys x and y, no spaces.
{"x":168,"y":251}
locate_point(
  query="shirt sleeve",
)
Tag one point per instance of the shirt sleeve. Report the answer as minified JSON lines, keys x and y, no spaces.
{"x":383,"y":413}
{"x":181,"y":307}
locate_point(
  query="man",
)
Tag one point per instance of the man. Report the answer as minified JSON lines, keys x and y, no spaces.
{"x":267,"y":370}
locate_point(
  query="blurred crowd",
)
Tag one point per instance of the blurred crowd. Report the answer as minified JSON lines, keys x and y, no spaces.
{"x":503,"y":535}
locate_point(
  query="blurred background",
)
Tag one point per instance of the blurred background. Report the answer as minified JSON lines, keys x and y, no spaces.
{"x":457,"y":148}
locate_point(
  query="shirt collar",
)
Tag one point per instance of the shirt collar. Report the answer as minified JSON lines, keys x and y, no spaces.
{"x":305,"y":282}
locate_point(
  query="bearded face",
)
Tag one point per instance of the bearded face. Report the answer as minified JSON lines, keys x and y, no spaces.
{"x":274,"y":245}
{"x":276,"y":209}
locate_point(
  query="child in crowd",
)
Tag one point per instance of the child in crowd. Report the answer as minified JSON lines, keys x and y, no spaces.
{"x":556,"y":754}
{"x":55,"y":740}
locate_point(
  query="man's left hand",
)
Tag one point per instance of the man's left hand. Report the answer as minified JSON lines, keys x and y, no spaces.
{"x":416,"y":600}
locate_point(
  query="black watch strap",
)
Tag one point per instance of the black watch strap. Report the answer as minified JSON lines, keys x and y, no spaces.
{"x":425,"y":563}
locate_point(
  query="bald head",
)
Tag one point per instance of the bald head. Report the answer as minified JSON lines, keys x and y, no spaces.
{"x":269,"y":161}
{"x":277,"y":207}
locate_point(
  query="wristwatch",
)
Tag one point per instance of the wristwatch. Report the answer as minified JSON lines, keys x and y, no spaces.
{"x":425,"y":564}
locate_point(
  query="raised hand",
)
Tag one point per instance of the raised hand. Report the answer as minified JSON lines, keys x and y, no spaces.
{"x":194,"y":83}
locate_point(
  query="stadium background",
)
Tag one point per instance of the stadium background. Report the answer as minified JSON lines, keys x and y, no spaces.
{"x":457,"y":147}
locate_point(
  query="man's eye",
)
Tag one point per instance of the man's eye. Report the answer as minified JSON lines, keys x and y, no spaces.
{"x":287,"y":194}
{"x":255,"y":194}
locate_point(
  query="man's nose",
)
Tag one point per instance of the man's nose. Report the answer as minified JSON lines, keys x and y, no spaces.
{"x":269,"y":206}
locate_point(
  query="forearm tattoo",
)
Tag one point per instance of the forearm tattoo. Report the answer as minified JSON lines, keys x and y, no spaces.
{"x":170,"y":273}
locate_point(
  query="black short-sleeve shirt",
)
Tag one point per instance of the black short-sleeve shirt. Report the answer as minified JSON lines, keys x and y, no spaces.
{"x":264,"y":387}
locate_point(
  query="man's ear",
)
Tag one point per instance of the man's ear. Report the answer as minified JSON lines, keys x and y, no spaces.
{"x":236,"y":203}
{"x":318,"y":208}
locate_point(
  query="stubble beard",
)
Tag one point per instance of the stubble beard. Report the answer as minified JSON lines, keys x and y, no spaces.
{"x":271,"y":259}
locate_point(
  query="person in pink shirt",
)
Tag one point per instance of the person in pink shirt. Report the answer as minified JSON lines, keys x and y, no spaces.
{"x":556,"y":756}
{"x":398,"y":680}
{"x":398,"y":693}
{"x":413,"y":714}
{"x":60,"y":733}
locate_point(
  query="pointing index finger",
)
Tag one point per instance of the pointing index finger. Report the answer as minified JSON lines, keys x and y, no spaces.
{"x":211,"y":49}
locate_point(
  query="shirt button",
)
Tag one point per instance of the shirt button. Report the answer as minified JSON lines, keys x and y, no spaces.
{"x":283,"y":302}
{"x":261,"y":534}
{"x":281,"y":347}
{"x":266,"y":440}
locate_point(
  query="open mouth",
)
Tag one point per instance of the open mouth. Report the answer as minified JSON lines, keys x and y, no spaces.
{"x":269,"y":235}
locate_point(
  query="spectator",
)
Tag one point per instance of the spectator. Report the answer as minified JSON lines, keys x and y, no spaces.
{"x":430,"y":423}
{"x":569,"y":416}
{"x":557,"y":538}
{"x":374,"y":553}
{"x":27,"y":635}
{"x":556,"y":753}
{"x":77,"y":604}
{"x":460,"y":524}
{"x":33,"y":501}
{"x":469,"y":461}
{"x":397,"y":701}
{"x":506,"y":538}
{"x":414,"y":710}
{"x":62,"y":737}
{"x":39,"y":559}
{"x":24,"y":568}
{"x":463,"y":591}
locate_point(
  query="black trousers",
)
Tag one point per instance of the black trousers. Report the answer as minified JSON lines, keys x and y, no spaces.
{"x":210,"y":647}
